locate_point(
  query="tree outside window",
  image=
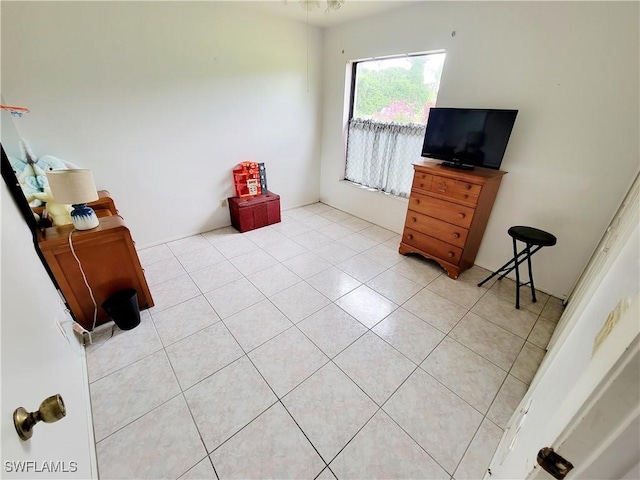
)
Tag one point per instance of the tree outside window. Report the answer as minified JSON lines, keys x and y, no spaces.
{"x":400,"y":90}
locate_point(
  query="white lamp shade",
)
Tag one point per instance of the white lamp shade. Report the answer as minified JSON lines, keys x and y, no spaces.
{"x":73,"y":186}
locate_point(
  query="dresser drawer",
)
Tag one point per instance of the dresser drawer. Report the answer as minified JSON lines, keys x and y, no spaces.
{"x":466,"y":191}
{"x":443,"y":185}
{"x":448,"y":211}
{"x":459,"y":189}
{"x":433,"y":246}
{"x":422,"y":181}
{"x":452,"y":234}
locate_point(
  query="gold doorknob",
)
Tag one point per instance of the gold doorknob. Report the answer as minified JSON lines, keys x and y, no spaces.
{"x":51,"y":410}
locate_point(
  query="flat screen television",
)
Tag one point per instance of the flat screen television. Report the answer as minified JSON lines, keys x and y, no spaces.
{"x":468,"y":137}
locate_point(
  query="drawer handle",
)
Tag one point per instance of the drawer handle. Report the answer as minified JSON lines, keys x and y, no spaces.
{"x":456,"y":235}
{"x":414,"y":219}
{"x":466,"y":196}
{"x":417,"y":201}
{"x":468,"y":187}
{"x":450,"y":254}
{"x":410,"y":237}
{"x":461,"y":215}
{"x":422,"y":185}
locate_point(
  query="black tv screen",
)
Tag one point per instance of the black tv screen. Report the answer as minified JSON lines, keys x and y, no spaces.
{"x":468,"y":137}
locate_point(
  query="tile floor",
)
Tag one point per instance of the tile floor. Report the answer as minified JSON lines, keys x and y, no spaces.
{"x":311,"y":349}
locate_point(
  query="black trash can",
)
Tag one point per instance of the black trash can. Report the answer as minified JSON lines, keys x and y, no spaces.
{"x":123,"y":309}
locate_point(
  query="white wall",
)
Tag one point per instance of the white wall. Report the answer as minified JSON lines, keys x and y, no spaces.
{"x":37,"y":361}
{"x":162,"y":99}
{"x":572,"y":71}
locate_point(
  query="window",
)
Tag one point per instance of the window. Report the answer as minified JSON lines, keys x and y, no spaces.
{"x":390,"y":102}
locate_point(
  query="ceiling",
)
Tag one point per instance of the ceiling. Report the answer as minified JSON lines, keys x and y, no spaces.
{"x":350,"y":10}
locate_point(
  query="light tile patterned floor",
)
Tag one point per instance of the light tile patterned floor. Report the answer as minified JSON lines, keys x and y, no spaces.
{"x":312,"y":349}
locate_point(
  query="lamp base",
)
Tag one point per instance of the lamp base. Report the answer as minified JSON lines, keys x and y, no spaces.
{"x":83,"y":217}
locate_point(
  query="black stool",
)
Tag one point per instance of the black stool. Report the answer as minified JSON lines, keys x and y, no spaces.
{"x":532,"y":237}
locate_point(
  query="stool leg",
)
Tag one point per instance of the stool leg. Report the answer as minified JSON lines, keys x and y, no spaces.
{"x":507,"y":267}
{"x":533,"y":290}
{"x":515,"y":253}
{"x":504,"y":267}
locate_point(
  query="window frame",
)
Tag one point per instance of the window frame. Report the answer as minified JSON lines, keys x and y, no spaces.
{"x":354,"y":67}
{"x":349,"y":109}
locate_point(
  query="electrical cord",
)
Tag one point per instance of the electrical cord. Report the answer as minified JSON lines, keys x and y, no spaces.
{"x":84,"y":277}
{"x":99,"y":344}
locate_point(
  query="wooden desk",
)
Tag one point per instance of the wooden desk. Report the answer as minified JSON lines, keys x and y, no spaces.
{"x":108,"y":258}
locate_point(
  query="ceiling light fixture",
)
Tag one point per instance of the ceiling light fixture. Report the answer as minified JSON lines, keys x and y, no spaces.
{"x":312,"y":5}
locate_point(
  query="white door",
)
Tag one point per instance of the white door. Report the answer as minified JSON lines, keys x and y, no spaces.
{"x":558,"y":392}
{"x":40,"y":357}
{"x":602,"y":439}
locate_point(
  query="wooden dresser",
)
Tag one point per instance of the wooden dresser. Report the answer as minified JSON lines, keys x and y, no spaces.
{"x":448,"y":212}
{"x":108,"y":258}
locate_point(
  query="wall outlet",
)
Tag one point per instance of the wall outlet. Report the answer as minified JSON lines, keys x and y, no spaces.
{"x":223,"y":202}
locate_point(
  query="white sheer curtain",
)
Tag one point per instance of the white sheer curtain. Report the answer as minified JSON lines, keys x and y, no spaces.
{"x":381,"y":155}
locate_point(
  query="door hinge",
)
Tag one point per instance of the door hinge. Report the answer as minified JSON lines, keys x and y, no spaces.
{"x":553,"y":463}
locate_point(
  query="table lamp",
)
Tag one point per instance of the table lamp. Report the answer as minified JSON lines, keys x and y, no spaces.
{"x":75,"y":187}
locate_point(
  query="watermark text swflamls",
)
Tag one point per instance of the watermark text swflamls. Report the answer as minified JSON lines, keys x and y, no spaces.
{"x":36,"y":466}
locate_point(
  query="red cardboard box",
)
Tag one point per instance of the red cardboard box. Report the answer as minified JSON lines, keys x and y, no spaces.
{"x":249,"y":213}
